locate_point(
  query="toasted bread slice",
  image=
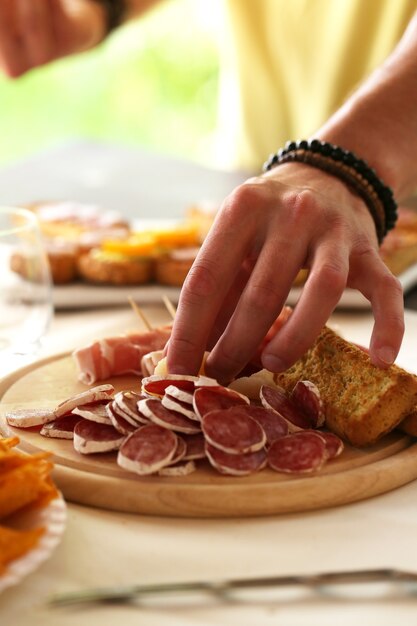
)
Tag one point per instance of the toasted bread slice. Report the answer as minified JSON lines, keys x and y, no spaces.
{"x":409,"y":423}
{"x":362,"y":402}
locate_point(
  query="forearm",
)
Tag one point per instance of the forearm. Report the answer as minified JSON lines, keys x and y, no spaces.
{"x":379,"y":122}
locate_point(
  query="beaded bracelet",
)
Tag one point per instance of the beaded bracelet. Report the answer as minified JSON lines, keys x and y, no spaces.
{"x":346,"y":166}
{"x":115,"y":12}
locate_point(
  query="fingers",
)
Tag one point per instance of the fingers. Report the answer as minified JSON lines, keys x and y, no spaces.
{"x":36,"y":30}
{"x":13,"y":60}
{"x":385,"y":293}
{"x":258,"y":307}
{"x":321,"y":293}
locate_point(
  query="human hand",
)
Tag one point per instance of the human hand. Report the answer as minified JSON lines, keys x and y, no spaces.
{"x":267,"y":229}
{"x":35,"y":32}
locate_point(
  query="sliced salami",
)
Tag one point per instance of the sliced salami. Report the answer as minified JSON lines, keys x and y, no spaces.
{"x":95,"y":394}
{"x":180,"y":451}
{"x":158,"y":414}
{"x":181,"y":407}
{"x":179,"y":394}
{"x":126,"y":405}
{"x":155,"y":385}
{"x":306,"y":397}
{"x":211,"y":398}
{"x":233,"y":431}
{"x":334,"y":445}
{"x":236,"y":464}
{"x":118,"y":421}
{"x":180,"y":469}
{"x":273,"y":425}
{"x":195,"y":447}
{"x":275,"y":398}
{"x":298,"y":453}
{"x":91,"y":437}
{"x":94,"y":412}
{"x":27,"y":418}
{"x":61,"y":428}
{"x":148,"y":449}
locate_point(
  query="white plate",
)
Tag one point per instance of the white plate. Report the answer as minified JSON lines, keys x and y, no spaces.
{"x":52,"y":518}
{"x":80,"y":295}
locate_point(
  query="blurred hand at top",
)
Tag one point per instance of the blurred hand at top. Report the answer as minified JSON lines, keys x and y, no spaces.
{"x":35,"y":32}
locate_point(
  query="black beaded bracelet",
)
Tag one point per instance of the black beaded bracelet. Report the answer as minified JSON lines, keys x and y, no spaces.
{"x":115,"y":12}
{"x":351,"y":170}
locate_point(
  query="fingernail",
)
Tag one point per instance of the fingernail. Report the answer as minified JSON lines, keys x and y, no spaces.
{"x":273,"y":363}
{"x":386,"y":355}
{"x":179,"y":369}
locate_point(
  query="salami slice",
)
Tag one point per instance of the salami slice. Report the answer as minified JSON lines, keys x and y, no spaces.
{"x":155,"y":385}
{"x":26,"y":418}
{"x":334,"y":445}
{"x":179,"y":394}
{"x":236,"y":464}
{"x":148,"y":449}
{"x":158,"y":414}
{"x":61,"y":428}
{"x":195,"y":447}
{"x":233,"y":431}
{"x":276,"y":399}
{"x":126,"y":405}
{"x":306,"y":397}
{"x":298,"y":453}
{"x":273,"y":425}
{"x":210,"y":398}
{"x":94,"y":412}
{"x":180,"y":469}
{"x":118,"y":421}
{"x":181,"y":407}
{"x":180,"y":451}
{"x":95,"y":394}
{"x":91,"y":437}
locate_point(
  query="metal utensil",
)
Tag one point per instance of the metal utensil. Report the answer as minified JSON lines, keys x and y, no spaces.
{"x":223,"y":587}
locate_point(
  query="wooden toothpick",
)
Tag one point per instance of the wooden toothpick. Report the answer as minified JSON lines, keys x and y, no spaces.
{"x":169,"y":306}
{"x":139,"y":312}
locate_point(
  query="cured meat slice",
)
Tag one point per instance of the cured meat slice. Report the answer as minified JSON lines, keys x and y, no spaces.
{"x":180,"y":469}
{"x":180,"y":394}
{"x":26,"y":418}
{"x":91,"y":437}
{"x":334,"y":445}
{"x":113,"y":356}
{"x":61,"y":428}
{"x":158,"y":414}
{"x":148,"y":449}
{"x":236,"y":464}
{"x":298,"y":453}
{"x":94,"y":412}
{"x":195,"y":447}
{"x":126,"y":405}
{"x":273,"y":425}
{"x":95,"y":394}
{"x":233,"y":431}
{"x":306,"y":397}
{"x":118,"y":421}
{"x":180,"y":451}
{"x":181,"y":407}
{"x":276,"y":399}
{"x":156,"y":385}
{"x":210,"y":398}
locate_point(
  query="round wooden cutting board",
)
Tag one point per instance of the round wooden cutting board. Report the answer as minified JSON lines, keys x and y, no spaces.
{"x":96,"y":480}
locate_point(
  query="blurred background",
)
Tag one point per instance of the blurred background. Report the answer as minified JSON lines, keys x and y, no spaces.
{"x":152,"y":84}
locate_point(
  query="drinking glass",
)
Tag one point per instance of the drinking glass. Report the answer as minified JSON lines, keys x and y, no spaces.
{"x":25,"y":288}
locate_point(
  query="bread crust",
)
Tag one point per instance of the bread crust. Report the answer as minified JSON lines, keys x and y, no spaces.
{"x":362,"y":402}
{"x":111,"y":271}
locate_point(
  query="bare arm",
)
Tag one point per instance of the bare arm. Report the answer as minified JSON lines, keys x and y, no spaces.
{"x":36,"y":32}
{"x":298,"y":216}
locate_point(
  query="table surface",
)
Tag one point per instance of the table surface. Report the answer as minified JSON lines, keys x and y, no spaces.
{"x":102,"y":548}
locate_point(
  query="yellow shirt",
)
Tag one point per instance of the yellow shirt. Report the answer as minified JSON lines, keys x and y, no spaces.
{"x":287,"y":65}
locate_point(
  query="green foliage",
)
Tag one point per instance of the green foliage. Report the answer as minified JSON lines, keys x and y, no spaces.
{"x":154,"y":84}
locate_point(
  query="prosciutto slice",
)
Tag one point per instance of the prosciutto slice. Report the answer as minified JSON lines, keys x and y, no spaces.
{"x":118,"y":355}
